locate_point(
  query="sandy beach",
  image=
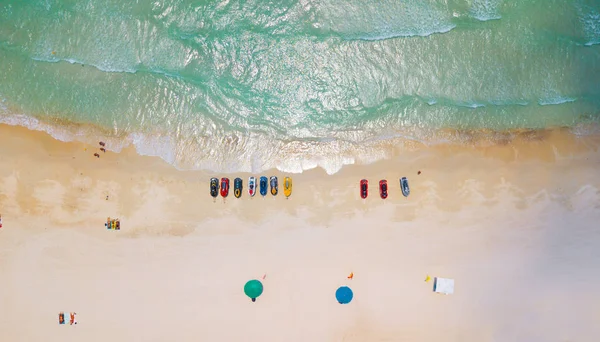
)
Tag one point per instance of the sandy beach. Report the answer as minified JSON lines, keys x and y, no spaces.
{"x":515,"y":224}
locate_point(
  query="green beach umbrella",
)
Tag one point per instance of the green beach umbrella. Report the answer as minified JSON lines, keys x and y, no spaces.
{"x":253,"y":289}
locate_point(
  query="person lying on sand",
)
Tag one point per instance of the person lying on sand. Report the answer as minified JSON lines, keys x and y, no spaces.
{"x":61,"y":318}
{"x":96,"y":155}
{"x":0,"y":221}
{"x":103,"y":149}
{"x":102,"y":144}
{"x":72,"y":320}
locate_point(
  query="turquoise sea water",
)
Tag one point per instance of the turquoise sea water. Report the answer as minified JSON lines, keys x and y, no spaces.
{"x":251,"y":85}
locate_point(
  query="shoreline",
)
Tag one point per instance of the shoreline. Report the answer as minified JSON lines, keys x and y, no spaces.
{"x":332,"y":162}
{"x":513,"y":224}
{"x":527,"y":165}
{"x":551,"y":148}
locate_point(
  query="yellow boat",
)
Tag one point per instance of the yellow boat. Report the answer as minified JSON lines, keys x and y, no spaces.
{"x":287,"y":187}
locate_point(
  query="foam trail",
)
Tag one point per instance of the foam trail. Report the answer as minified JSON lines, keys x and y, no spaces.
{"x":79,"y":62}
{"x":556,"y":100}
{"x":389,"y":35}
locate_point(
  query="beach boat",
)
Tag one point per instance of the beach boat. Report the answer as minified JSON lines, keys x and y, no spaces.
{"x":287,"y":187}
{"x":224,"y":187}
{"x":364,"y":188}
{"x":237,"y":187}
{"x":214,"y":187}
{"x":404,"y":186}
{"x":263,"y":186}
{"x":274,"y":186}
{"x":383,"y":189}
{"x":251,"y":186}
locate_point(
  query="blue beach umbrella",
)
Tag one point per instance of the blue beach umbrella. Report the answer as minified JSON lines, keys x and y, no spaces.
{"x":344,"y":295}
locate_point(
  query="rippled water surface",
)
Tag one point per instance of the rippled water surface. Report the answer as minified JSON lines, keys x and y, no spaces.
{"x":251,"y":85}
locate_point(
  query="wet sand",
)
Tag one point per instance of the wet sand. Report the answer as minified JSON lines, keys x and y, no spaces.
{"x":515,"y":224}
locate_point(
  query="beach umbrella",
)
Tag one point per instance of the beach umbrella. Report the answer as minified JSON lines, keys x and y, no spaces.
{"x":253,"y":289}
{"x":344,"y":295}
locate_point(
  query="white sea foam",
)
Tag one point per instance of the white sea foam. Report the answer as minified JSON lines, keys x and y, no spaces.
{"x":382,"y":20}
{"x":410,"y":33}
{"x":485,"y":10}
{"x":105,"y":68}
{"x":155,"y":145}
{"x":590,"y":19}
{"x":556,"y":100}
{"x":62,"y":133}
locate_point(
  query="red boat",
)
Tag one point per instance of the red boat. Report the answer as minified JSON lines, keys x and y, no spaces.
{"x":224,"y":187}
{"x":383,"y":192}
{"x":364,"y":188}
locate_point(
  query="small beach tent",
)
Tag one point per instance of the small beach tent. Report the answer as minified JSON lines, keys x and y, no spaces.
{"x":443,"y":285}
{"x":344,"y":295}
{"x":253,"y":289}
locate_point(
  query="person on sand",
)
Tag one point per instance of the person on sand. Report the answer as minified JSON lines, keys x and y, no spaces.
{"x":102,"y":144}
{"x":103,"y":149}
{"x":96,"y":155}
{"x":61,"y":318}
{"x":0,"y":220}
{"x":72,"y":320}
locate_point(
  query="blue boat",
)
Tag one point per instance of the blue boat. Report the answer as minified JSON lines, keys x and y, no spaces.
{"x":404,"y":186}
{"x":263,"y":186}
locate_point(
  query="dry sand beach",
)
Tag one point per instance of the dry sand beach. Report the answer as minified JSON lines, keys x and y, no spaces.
{"x":516,"y":225}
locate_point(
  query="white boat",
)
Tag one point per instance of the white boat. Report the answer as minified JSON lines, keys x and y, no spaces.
{"x":251,"y":186}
